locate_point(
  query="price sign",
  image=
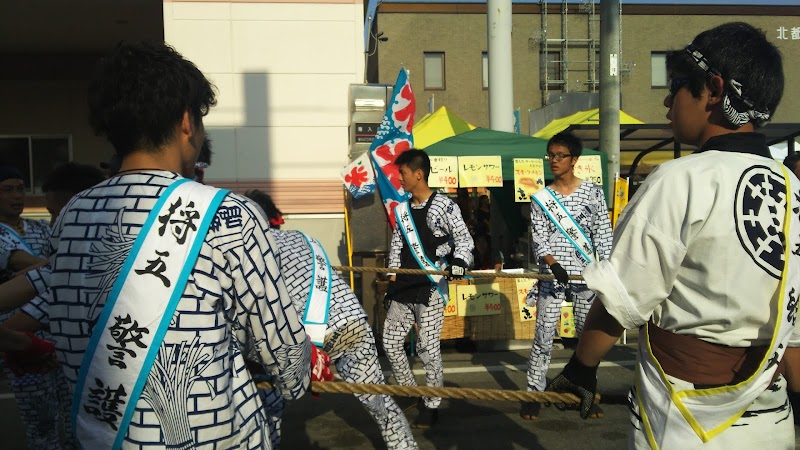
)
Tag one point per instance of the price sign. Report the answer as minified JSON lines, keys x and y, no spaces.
{"x":444,"y":172}
{"x":480,"y":171}
{"x":452,"y":304}
{"x":479,"y":299}
{"x":523,"y":286}
{"x":528,"y":178}
{"x":589,"y":168}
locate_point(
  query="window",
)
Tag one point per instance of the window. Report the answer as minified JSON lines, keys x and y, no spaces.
{"x":658,"y":69}
{"x":35,"y":156}
{"x":485,"y":69}
{"x":551,"y":67}
{"x":434,"y":70}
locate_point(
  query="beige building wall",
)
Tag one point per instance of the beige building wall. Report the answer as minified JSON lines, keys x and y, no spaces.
{"x":460,"y":32}
{"x":283,"y":72}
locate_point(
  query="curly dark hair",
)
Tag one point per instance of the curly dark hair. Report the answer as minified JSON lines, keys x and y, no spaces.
{"x":138,"y":94}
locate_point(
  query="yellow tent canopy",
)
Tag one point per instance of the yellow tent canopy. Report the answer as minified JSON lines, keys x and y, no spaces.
{"x":592,"y":117}
{"x":438,"y":126}
{"x":589,"y":117}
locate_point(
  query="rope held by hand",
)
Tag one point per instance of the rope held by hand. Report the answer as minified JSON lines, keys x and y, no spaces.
{"x":535,"y":276}
{"x":320,"y":387}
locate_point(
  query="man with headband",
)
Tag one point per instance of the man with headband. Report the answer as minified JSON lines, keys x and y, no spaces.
{"x":706,"y":262}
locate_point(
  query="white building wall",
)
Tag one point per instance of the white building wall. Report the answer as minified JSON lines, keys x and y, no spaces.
{"x":282,"y":71}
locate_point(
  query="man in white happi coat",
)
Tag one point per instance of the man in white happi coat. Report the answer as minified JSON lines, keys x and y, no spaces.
{"x":705,"y":260}
{"x":346,"y":335}
{"x":569,"y":228}
{"x":162,"y":288}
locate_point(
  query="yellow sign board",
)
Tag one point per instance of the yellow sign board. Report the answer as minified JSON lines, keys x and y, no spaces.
{"x":566,"y":322}
{"x":523,"y":286}
{"x":480,"y":171}
{"x":590,"y":168}
{"x":479,"y":299}
{"x":528,"y":178}
{"x":444,"y":172}
{"x":620,"y":198}
{"x":452,"y":304}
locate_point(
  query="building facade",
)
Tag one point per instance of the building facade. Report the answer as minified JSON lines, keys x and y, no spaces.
{"x":556,"y":51}
{"x":282,"y":70}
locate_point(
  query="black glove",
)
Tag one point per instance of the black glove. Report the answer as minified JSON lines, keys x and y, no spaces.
{"x":457,"y":269}
{"x":794,"y":399}
{"x":560,"y":273}
{"x":580,"y":380}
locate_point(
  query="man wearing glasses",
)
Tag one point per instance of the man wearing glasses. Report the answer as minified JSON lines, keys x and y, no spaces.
{"x":570,"y":227}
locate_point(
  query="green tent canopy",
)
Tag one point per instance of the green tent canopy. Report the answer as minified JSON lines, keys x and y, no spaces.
{"x":485,"y":142}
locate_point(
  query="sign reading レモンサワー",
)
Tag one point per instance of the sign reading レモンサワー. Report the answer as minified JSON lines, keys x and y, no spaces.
{"x":444,"y":172}
{"x":528,"y":178}
{"x":479,"y":299}
{"x":590,"y":168}
{"x":480,"y":171}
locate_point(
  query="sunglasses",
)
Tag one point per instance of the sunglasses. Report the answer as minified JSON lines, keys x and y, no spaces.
{"x":675,"y":84}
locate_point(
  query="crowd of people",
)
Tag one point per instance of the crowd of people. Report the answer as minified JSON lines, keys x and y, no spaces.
{"x":146,"y":281}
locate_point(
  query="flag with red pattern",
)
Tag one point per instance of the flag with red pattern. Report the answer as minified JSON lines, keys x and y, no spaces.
{"x":393,"y":138}
{"x":358,"y":177}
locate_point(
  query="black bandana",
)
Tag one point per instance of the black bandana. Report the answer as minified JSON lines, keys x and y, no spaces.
{"x":738,"y":109}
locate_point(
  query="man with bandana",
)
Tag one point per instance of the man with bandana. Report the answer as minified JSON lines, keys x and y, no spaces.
{"x":705,"y":261}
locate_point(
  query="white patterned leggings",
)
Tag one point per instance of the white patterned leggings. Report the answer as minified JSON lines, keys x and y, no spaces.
{"x":351,"y":346}
{"x":548,"y":310}
{"x":429,"y":319}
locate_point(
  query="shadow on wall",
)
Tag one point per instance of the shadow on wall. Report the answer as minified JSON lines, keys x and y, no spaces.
{"x":242,"y":143}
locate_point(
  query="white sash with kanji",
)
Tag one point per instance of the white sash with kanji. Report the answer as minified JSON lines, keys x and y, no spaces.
{"x":138,"y":311}
{"x":315,"y":319}
{"x":564,"y":222}
{"x":20,"y":239}
{"x":409,"y":229}
{"x":688,"y":418}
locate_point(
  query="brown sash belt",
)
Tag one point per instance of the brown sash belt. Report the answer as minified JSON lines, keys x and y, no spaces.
{"x":703,"y":363}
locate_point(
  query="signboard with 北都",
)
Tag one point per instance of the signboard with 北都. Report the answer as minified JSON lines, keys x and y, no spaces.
{"x":478,"y":299}
{"x":444,"y":172}
{"x":589,"y":168}
{"x":528,"y":178}
{"x":480,"y":171}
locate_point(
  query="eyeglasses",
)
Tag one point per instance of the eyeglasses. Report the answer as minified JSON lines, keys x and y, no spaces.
{"x":556,"y":158}
{"x":675,"y":84}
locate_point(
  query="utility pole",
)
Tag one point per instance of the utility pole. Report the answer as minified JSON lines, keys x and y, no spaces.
{"x":609,"y":83}
{"x":501,"y":80}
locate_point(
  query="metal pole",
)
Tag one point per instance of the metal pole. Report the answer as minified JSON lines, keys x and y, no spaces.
{"x":501,"y":81}
{"x":609,"y":82}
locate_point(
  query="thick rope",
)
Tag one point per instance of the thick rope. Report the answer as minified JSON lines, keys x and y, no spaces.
{"x":320,"y":387}
{"x":535,"y":276}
